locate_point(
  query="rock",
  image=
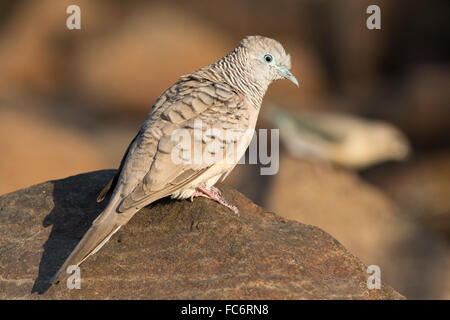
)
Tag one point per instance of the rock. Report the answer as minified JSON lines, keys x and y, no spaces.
{"x":170,"y":250}
{"x":129,"y":69}
{"x":421,"y":187}
{"x":425,"y":98}
{"x":39,"y":148}
{"x":38,"y":60}
{"x":367,"y":222}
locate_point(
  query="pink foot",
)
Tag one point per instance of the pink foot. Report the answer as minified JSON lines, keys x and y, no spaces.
{"x":214,"y":194}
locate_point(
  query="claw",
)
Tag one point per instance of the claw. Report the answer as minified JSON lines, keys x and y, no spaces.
{"x":214,"y":194}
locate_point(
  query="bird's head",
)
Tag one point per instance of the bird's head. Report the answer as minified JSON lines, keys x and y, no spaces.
{"x":268,"y":59}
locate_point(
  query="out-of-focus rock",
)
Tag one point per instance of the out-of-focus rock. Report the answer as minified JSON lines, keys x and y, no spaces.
{"x":366,"y":221}
{"x":37,"y":49}
{"x":356,"y":49}
{"x":154,"y":47}
{"x":421,"y":187}
{"x":35,"y":148}
{"x":171,"y":250}
{"x":419,"y":106}
{"x":423,"y":110}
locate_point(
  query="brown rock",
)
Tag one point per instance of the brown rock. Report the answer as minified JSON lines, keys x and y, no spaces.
{"x":425,"y":99}
{"x":36,"y":148}
{"x":37,"y":49}
{"x":171,"y":250}
{"x":129,"y":69}
{"x":367,"y":222}
{"x":421,"y":187}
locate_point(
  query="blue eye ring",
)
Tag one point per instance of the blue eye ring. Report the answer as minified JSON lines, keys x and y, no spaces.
{"x":268,"y":58}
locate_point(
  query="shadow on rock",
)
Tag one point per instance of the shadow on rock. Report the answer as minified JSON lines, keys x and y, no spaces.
{"x":72,"y":215}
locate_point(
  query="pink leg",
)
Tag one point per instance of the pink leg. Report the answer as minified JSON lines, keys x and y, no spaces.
{"x":214,"y":194}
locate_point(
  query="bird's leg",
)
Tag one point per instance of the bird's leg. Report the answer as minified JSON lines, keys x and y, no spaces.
{"x":214,"y":194}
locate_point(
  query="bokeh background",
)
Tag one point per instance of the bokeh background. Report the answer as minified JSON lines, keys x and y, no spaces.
{"x":72,"y":100}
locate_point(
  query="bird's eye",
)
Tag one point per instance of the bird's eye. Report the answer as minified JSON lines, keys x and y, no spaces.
{"x":268,"y":58}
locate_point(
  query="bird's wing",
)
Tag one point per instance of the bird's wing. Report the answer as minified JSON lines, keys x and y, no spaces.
{"x":109,"y":188}
{"x":197,"y":129}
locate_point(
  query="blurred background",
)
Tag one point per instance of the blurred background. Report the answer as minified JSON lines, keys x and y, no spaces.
{"x":72,"y":100}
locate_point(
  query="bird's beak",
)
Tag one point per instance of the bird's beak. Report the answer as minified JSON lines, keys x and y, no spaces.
{"x":285,"y":73}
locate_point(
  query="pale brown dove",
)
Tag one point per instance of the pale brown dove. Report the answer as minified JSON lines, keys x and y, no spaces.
{"x":217,"y":107}
{"x":345,"y":140}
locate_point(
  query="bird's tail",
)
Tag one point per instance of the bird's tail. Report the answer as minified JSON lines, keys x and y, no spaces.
{"x":106,"y":224}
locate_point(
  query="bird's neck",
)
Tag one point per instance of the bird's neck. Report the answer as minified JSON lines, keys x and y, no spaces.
{"x":233,"y":70}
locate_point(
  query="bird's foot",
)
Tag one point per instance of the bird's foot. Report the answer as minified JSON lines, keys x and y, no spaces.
{"x":214,"y":194}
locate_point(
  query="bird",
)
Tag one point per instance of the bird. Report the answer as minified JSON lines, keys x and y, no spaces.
{"x":215,"y":107}
{"x":345,"y":140}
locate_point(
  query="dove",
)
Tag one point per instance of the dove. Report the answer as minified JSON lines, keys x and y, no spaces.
{"x":215,"y":107}
{"x":345,"y":140}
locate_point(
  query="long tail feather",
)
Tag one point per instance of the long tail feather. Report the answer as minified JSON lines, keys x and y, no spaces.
{"x":106,"y":224}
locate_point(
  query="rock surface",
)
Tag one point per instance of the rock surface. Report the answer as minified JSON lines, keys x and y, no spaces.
{"x":170,"y":250}
{"x":367,"y":221}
